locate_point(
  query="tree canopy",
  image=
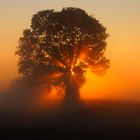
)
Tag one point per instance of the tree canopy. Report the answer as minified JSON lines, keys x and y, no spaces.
{"x":63,"y":45}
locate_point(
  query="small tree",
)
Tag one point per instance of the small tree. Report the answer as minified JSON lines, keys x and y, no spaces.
{"x":62,"y":46}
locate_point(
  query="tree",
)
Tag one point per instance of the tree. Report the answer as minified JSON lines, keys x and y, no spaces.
{"x":62,"y":46}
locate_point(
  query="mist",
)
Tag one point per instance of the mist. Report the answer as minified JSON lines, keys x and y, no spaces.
{"x":36,"y":112}
{"x":25,"y":98}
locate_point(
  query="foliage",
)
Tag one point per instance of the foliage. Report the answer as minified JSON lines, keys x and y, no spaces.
{"x":63,"y":45}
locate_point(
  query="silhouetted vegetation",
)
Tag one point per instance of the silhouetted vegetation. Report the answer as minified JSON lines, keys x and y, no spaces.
{"x":60,"y":47}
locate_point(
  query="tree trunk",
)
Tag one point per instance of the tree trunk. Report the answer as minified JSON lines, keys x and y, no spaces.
{"x":71,"y":90}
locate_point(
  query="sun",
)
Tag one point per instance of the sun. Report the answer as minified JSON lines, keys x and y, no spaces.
{"x":72,"y":72}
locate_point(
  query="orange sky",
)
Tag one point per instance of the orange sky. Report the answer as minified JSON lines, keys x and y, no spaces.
{"x":122,"y":19}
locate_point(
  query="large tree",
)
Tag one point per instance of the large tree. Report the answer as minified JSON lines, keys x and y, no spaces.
{"x":62,"y":46}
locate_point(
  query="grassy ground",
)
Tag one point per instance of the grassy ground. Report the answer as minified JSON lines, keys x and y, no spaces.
{"x":97,"y":120}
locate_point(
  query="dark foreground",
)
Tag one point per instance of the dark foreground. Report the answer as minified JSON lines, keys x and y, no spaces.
{"x":98,"y":120}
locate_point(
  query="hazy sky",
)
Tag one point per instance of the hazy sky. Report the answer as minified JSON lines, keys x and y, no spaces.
{"x":122,"y":19}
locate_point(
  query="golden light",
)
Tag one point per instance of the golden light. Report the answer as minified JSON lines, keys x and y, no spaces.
{"x":72,"y":72}
{"x":84,"y":53}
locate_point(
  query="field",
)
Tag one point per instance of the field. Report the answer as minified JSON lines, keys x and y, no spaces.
{"x":95,"y":120}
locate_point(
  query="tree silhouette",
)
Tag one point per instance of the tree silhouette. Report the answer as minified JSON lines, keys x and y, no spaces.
{"x":61,"y":47}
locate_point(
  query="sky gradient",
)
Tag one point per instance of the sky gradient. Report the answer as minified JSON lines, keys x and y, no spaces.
{"x":120,"y":17}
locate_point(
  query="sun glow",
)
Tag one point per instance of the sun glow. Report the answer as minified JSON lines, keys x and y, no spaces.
{"x":94,"y":87}
{"x":72,"y":72}
{"x":84,"y":53}
{"x":48,"y":100}
{"x":123,"y":45}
